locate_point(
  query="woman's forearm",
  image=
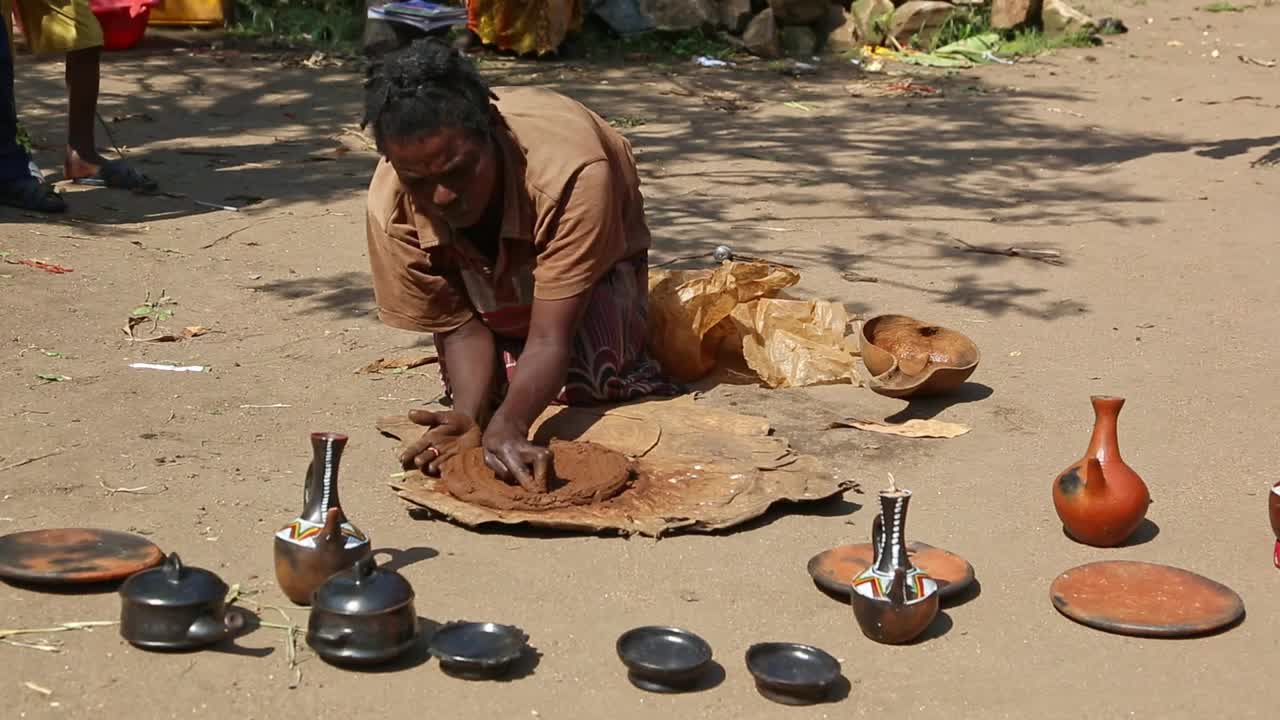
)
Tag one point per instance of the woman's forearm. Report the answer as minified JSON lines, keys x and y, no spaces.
{"x":470,"y":356}
{"x":538,"y":379}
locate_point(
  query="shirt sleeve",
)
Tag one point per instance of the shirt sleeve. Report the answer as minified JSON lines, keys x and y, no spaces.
{"x":587,"y":239}
{"x":415,"y":283}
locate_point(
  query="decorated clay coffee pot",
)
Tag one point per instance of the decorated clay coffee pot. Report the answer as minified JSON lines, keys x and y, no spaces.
{"x":321,"y":541}
{"x":1099,"y":498}
{"x":893,"y":600}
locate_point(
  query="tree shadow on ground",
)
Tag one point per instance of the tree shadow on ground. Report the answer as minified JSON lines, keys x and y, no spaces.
{"x":738,"y":156}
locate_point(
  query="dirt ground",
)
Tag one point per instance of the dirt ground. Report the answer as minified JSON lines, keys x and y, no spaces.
{"x":1149,"y":163}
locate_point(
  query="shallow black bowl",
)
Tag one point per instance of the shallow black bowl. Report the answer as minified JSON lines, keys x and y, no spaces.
{"x":477,"y":651}
{"x":792,"y":674}
{"x":664,"y":659}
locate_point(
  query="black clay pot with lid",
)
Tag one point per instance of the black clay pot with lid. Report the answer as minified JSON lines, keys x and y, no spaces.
{"x":363,"y":616}
{"x":175,"y":607}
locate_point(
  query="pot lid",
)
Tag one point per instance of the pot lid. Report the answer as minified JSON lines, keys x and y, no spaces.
{"x":363,"y":589}
{"x":174,"y":584}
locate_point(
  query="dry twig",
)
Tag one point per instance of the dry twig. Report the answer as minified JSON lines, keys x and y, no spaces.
{"x":30,"y":460}
{"x":1051,"y":257}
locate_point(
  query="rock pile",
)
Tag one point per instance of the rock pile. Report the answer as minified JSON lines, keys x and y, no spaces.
{"x":801,"y":28}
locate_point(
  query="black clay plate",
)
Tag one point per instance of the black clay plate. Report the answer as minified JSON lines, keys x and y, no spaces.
{"x":791,"y":673}
{"x":477,"y":650}
{"x":663,"y":659}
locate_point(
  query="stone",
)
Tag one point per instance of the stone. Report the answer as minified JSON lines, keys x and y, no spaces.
{"x":917,"y":22}
{"x":798,"y":12}
{"x":871,"y":19}
{"x":1061,"y":19}
{"x":681,"y":14}
{"x":838,"y":32}
{"x":1010,"y":14}
{"x":735,"y":14}
{"x":761,"y":36}
{"x":799,"y":41}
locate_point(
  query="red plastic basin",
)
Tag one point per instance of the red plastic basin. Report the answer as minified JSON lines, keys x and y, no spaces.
{"x":121,"y":27}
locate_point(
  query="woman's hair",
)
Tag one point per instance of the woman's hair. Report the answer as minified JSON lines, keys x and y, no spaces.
{"x":421,"y":88}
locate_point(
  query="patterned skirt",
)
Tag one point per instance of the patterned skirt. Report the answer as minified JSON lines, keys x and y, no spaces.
{"x":524,"y":26}
{"x":609,"y":361}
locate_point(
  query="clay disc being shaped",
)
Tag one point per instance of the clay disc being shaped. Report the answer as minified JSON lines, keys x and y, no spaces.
{"x":583,"y":473}
{"x":833,"y":570}
{"x":1144,"y":599}
{"x":75,"y":555}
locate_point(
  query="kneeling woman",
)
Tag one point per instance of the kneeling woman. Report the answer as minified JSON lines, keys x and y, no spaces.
{"x":508,"y":223}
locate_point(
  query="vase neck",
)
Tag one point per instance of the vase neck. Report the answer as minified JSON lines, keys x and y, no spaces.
{"x":1104,"y":445}
{"x":322,"y":476}
{"x":892,"y":552}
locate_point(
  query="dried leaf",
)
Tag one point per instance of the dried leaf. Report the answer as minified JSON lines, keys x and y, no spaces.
{"x":398,"y":363}
{"x":194,"y":331}
{"x":911,"y":428}
{"x":51,"y":377}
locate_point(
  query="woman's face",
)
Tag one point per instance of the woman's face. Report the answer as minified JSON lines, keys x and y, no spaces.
{"x":450,"y":172}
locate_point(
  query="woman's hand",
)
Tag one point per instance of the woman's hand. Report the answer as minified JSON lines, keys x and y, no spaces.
{"x":448,"y":434}
{"x":508,"y":452}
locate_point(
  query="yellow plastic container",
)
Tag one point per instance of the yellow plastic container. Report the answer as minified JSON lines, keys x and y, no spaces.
{"x":200,"y":13}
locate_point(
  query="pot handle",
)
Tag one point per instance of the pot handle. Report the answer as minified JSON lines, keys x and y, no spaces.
{"x":173,"y":568}
{"x":364,"y":568}
{"x":877,"y":534}
{"x":331,"y":635}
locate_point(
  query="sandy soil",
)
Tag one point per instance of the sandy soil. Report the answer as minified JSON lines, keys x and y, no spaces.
{"x":1143,"y":162}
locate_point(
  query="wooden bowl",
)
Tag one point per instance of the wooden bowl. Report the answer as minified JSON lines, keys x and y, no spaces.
{"x":909,"y":358}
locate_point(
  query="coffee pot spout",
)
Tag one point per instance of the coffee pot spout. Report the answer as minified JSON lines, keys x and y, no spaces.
{"x":207,"y":629}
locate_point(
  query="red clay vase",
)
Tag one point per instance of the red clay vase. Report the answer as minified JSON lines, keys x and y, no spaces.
{"x":1100,"y":499}
{"x":1274,"y":505}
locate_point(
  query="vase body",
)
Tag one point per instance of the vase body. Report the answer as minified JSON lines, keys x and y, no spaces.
{"x":321,"y":541}
{"x":1099,"y":498}
{"x":893,"y":600}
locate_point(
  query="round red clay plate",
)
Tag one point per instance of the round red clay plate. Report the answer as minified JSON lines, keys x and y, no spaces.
{"x":75,"y":555}
{"x":1144,"y":599}
{"x":833,"y":570}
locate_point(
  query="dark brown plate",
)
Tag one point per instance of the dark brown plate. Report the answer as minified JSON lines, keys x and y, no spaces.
{"x":833,"y":570}
{"x":1144,"y":599}
{"x":75,"y":555}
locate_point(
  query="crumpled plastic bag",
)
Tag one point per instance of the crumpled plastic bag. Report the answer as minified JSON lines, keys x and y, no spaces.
{"x":794,"y":343}
{"x":694,"y":315}
{"x":689,"y":311}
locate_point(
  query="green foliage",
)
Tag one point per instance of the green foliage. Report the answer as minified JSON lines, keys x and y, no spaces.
{"x":1032,"y":41}
{"x":657,"y":45}
{"x":962,"y":24}
{"x":24,"y":139}
{"x":1222,"y":7}
{"x":329,"y":24}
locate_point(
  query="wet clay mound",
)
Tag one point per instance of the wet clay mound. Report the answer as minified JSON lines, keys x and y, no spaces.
{"x":582,"y":473}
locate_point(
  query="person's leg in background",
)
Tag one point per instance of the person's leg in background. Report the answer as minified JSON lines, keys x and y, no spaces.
{"x":18,"y":187}
{"x":70,"y":26}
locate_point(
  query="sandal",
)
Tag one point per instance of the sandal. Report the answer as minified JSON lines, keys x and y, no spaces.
{"x":119,"y":175}
{"x":30,"y":193}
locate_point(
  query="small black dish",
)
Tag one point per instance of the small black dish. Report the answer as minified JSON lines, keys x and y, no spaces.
{"x":477,"y":651}
{"x":791,"y":673}
{"x":664,"y":659}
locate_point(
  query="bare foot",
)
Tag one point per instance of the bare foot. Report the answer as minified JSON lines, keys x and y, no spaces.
{"x":77,"y":165}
